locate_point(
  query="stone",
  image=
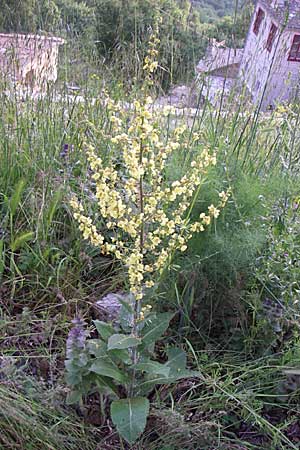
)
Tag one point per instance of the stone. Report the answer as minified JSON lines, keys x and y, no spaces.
{"x":29,"y":60}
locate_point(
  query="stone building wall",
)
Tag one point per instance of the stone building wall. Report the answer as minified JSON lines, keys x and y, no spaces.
{"x":219,"y":57}
{"x":269,"y":74}
{"x":30,"y":60}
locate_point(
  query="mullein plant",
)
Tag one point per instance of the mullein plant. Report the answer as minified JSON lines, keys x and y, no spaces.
{"x":148,"y":220}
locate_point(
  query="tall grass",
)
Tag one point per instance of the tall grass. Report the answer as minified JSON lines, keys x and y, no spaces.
{"x":33,"y":423}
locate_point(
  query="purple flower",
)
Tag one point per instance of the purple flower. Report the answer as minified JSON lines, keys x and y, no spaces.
{"x":76,"y":338}
{"x":65,"y":151}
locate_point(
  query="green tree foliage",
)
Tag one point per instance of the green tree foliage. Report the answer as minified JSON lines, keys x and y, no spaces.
{"x":122,"y":29}
{"x":211,"y":10}
{"x":28,"y":15}
{"x":76,"y":17}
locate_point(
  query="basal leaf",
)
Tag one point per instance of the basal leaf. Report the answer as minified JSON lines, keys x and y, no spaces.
{"x":120,"y":341}
{"x":153,"y":368}
{"x":130,"y":416}
{"x":176,"y":359}
{"x":149,"y":384}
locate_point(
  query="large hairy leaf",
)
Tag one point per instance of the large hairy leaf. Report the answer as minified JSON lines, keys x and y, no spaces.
{"x":104,"y":367}
{"x":153,"y":368}
{"x":176,"y":360}
{"x":104,"y":329}
{"x":176,"y":366}
{"x":130,"y":416}
{"x":148,"y":385}
{"x":120,"y":341}
{"x":155,"y":328}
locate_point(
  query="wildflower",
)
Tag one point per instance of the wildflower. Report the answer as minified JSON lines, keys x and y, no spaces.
{"x":205,"y":219}
{"x":65,"y":151}
{"x":213,"y":211}
{"x":147,"y":220}
{"x":76,"y":338}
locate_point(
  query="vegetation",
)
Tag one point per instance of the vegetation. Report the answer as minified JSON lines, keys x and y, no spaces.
{"x":196,"y":333}
{"x":114,"y":33}
{"x":212,"y":9}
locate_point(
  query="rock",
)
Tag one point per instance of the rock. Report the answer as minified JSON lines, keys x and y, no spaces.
{"x":180,"y":97}
{"x":109,"y":306}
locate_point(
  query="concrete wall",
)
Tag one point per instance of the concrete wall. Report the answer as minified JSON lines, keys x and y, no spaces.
{"x":271,"y":72}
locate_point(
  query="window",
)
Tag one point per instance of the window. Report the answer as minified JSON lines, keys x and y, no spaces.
{"x":295,"y":49}
{"x":271,"y":37}
{"x":260,"y":15}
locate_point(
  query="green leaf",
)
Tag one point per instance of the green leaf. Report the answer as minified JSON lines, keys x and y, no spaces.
{"x":130,"y":416}
{"x":73,"y":397}
{"x":104,"y":329}
{"x":120,"y":341}
{"x":149,"y":384}
{"x":153,"y":368}
{"x":104,"y":367}
{"x":127,"y":302}
{"x":121,"y":356}
{"x":126,"y":312}
{"x":176,"y":360}
{"x":97,"y":348}
{"x":20,"y":240}
{"x":155,"y":328}
{"x":177,"y":370}
{"x":73,"y":378}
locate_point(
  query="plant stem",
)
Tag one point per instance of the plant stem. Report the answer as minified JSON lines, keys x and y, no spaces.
{"x":137,"y":305}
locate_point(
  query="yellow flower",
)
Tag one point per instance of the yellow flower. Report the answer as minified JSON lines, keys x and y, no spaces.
{"x":214,"y":212}
{"x":148,"y":218}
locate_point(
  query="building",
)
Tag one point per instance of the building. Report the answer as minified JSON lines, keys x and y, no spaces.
{"x":29,"y":60}
{"x":269,"y":65}
{"x":221,"y":67}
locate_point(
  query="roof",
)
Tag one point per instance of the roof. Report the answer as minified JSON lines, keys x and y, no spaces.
{"x":32,"y":37}
{"x":285,"y":12}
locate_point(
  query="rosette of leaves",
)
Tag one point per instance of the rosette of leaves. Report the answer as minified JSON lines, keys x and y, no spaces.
{"x":123,"y":366}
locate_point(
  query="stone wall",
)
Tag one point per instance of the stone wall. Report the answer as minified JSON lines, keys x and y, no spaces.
{"x":29,"y":60}
{"x":269,"y":76}
{"x":217,"y":58}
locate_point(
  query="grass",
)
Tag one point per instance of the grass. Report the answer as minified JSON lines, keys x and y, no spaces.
{"x":48,"y":275}
{"x":32,"y":423}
